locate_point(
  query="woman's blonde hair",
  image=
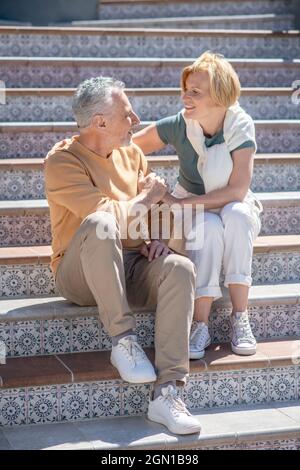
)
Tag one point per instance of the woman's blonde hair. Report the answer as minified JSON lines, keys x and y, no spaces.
{"x":225,"y":87}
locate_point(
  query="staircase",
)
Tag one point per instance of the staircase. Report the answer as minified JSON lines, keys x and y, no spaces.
{"x":57,"y":388}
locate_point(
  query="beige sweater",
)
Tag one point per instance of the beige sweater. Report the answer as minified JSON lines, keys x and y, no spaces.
{"x":80,"y":182}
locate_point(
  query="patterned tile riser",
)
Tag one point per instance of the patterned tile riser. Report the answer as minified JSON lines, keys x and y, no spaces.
{"x":134,"y":77}
{"x":36,"y":280}
{"x":32,"y":230}
{"x":37,"y":144}
{"x":148,"y":108}
{"x":274,"y":25}
{"x":41,"y":337}
{"x":139,"y":45}
{"x":80,"y":401}
{"x":277,"y":444}
{"x":29,"y":184}
{"x":184,"y":9}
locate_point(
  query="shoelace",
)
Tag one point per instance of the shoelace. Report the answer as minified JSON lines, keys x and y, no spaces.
{"x":197,"y":336}
{"x":175,"y":403}
{"x":133,"y":350}
{"x":243,"y":329}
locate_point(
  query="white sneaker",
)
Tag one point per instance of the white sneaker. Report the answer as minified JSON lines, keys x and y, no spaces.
{"x":168,"y":409}
{"x":131,"y":361}
{"x":243,"y":341}
{"x":199,"y":340}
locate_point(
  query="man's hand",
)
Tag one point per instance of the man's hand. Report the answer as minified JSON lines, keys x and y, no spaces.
{"x":155,"y":249}
{"x":153,"y":185}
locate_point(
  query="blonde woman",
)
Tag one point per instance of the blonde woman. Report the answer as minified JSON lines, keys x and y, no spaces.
{"x":215,"y":143}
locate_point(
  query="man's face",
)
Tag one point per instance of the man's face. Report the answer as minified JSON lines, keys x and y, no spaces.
{"x":120,"y":120}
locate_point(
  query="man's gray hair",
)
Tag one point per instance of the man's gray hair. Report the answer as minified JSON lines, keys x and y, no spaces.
{"x":93,"y":96}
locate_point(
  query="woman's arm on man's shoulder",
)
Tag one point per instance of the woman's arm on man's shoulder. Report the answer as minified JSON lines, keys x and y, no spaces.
{"x":148,"y":139}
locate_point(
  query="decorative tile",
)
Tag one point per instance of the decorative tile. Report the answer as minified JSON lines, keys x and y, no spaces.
{"x":196,"y":393}
{"x":5,"y":337}
{"x":145,"y":330}
{"x":282,"y":384}
{"x":225,"y":389}
{"x":106,"y":399}
{"x":56,"y":336}
{"x":136,"y":399}
{"x":13,"y":281}
{"x":86,"y":333}
{"x":12,"y":407}
{"x":105,"y":340}
{"x":277,"y":321}
{"x":254,"y":386}
{"x":26,"y":337}
{"x":41,"y":280}
{"x":43,"y":405}
{"x":75,"y":402}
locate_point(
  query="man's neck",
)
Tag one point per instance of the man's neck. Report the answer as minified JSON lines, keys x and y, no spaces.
{"x":100,"y":148}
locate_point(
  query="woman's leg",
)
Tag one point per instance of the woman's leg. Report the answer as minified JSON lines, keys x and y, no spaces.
{"x":241,"y":227}
{"x":208,"y":262}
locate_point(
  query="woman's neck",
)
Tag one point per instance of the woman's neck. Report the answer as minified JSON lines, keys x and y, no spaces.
{"x":213,"y":124}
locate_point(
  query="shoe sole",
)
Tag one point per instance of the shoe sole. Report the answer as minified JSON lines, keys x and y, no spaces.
{"x":195,"y":355}
{"x":242,"y":351}
{"x":145,"y":381}
{"x":156,"y":419}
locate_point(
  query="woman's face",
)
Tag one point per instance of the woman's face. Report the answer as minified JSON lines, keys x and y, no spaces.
{"x":197,"y":101}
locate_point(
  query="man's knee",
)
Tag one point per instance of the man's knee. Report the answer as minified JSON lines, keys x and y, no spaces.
{"x":179,"y":267}
{"x":102,"y":225}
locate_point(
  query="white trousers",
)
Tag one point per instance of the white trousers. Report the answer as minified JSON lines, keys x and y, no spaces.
{"x":228,"y":237}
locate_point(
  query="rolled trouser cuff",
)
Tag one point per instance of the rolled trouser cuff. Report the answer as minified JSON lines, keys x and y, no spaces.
{"x":212,"y":291}
{"x":238,"y":279}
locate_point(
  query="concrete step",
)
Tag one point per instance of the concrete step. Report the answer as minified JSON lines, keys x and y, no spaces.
{"x":83,"y":386}
{"x":25,"y":271}
{"x":136,"y":73}
{"x":266,"y":21}
{"x":33,"y":139}
{"x":134,"y":42}
{"x":133,"y":9}
{"x":150,"y":104}
{"x":273,"y":426}
{"x":53,"y":325}
{"x":23,"y":178}
{"x":27,"y":222}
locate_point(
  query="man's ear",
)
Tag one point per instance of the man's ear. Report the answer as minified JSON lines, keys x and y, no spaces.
{"x":98,"y":121}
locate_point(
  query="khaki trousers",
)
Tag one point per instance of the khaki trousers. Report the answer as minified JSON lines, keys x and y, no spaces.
{"x":95,"y":271}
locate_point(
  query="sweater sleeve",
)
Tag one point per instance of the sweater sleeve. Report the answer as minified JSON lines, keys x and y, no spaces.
{"x":69,"y":185}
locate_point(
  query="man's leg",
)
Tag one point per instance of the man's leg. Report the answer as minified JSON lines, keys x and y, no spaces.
{"x":166,"y":284}
{"x":169,"y":282}
{"x":92,"y":272}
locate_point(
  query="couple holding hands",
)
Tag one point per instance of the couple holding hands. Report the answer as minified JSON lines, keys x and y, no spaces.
{"x":93,"y":176}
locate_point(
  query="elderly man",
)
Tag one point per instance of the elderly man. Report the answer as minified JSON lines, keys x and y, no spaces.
{"x":90,"y":180}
